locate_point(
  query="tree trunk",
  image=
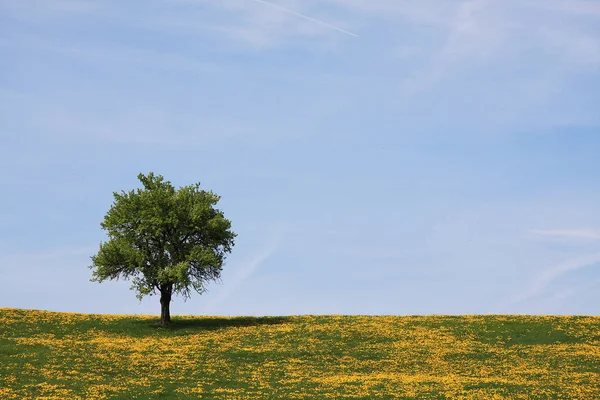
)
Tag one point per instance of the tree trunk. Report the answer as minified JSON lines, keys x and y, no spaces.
{"x":165,"y":302}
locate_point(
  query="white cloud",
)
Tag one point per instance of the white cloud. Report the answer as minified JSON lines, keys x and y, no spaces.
{"x":583,"y":233}
{"x":543,"y":279}
{"x":589,"y":8}
{"x":561,"y":298}
{"x":245,"y":270}
{"x":488,"y":65}
{"x":570,"y":291}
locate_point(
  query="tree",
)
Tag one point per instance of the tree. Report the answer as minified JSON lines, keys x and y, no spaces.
{"x":167,"y":240}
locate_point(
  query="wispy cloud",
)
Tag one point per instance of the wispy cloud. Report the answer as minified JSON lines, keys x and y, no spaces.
{"x":560,"y":298}
{"x":496,"y":35}
{"x":570,"y":291}
{"x":484,"y":64}
{"x":246,"y":269}
{"x":543,"y":279}
{"x":583,"y":233}
{"x":589,"y":8}
{"x":463,"y":25}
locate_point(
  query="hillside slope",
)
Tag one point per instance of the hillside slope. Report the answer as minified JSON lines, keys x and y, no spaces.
{"x":47,"y":355}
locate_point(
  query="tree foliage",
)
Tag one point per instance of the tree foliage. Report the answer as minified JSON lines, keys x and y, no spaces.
{"x":166,"y":240}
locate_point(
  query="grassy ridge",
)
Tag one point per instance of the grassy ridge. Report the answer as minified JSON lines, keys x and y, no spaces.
{"x":46,"y":355}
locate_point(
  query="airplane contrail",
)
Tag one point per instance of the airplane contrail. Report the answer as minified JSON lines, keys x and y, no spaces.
{"x":306,"y":17}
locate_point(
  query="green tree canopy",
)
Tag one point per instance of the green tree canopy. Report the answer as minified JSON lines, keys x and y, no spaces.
{"x":166,"y":240}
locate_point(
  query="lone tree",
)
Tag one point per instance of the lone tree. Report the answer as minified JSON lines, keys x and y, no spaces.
{"x":167,"y":240}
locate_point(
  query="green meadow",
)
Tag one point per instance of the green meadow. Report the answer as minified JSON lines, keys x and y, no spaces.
{"x":47,"y":355}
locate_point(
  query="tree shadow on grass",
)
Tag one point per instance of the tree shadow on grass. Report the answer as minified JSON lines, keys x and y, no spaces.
{"x":210,"y":323}
{"x":193,"y":325}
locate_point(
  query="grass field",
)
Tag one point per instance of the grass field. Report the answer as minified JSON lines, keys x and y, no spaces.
{"x":46,"y":355}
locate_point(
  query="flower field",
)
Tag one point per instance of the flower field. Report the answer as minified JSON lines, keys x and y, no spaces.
{"x":47,"y":355}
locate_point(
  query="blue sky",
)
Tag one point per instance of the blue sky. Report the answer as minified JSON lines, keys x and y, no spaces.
{"x":375,"y":157}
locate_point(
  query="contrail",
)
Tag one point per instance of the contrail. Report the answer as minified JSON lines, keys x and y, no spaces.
{"x":306,"y":17}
